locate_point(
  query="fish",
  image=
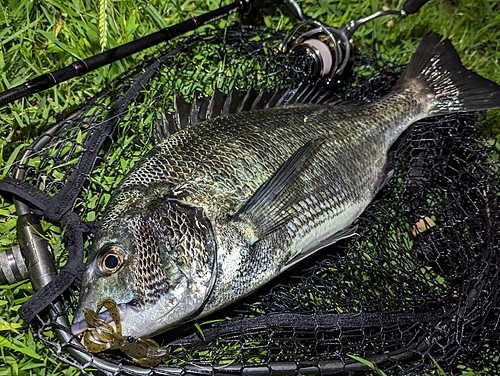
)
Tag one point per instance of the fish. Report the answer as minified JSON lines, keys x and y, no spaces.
{"x":220,"y":208}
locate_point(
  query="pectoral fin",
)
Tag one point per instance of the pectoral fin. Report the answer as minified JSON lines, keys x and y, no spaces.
{"x":267,"y":210}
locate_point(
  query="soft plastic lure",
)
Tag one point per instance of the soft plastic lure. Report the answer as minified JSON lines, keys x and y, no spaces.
{"x":102,"y":336}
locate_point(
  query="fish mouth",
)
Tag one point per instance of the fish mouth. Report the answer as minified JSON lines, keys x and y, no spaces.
{"x":79,"y":327}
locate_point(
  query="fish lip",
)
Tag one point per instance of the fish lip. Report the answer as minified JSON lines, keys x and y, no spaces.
{"x":79,"y":327}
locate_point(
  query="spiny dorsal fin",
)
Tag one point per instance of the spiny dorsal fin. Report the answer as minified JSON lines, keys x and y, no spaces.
{"x":232,"y":102}
{"x":247,"y":101}
{"x":215,"y":104}
{"x":199,"y":108}
{"x":203,"y":108}
{"x":182,"y":112}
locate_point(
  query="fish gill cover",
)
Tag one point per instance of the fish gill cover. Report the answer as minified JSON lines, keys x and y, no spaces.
{"x":420,"y":279}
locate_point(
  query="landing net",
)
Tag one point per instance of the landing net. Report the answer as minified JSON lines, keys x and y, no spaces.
{"x":420,"y":279}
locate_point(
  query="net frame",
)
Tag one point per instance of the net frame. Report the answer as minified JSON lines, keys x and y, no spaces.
{"x":327,"y":323}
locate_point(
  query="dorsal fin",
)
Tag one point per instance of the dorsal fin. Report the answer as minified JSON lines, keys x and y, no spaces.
{"x":203,"y":108}
{"x":199,"y":108}
{"x":215,"y":104}
{"x":231,"y":104}
{"x":182,"y":112}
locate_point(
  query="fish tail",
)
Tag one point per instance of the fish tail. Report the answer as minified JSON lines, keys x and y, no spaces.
{"x":449,"y":85}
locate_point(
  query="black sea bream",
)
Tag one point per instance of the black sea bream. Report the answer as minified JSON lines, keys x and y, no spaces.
{"x":218,"y":209}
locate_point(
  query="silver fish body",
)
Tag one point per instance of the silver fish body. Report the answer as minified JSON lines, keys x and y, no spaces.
{"x":219,"y":209}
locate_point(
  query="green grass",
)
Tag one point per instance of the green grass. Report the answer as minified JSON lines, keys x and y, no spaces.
{"x":42,"y":36}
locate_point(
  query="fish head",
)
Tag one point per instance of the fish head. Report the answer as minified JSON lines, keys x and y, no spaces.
{"x":155,"y":263}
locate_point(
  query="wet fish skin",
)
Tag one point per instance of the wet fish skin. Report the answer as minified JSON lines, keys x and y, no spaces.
{"x":219,"y":209}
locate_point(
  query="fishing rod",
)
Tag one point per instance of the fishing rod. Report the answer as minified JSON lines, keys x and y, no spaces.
{"x":333,"y":65}
{"x":82,"y":67}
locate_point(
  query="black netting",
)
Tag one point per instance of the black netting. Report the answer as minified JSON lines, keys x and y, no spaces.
{"x":419,"y":279}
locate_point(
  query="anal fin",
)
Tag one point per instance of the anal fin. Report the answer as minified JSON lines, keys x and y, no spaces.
{"x":342,"y":234}
{"x":388,"y":171}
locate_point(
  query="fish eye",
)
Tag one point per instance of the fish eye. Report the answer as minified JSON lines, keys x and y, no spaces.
{"x":111,"y":258}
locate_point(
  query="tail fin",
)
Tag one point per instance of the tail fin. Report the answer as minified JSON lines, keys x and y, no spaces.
{"x":455,"y":89}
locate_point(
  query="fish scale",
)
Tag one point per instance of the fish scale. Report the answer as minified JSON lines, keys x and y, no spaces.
{"x":241,"y":161}
{"x":234,"y":201}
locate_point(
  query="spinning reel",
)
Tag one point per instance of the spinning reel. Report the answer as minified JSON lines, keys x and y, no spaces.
{"x":330,"y":47}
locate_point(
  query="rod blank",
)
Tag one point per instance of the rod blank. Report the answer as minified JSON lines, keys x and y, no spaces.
{"x":82,"y":67}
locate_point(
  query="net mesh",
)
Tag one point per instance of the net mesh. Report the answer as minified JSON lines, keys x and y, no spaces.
{"x":420,"y":278}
